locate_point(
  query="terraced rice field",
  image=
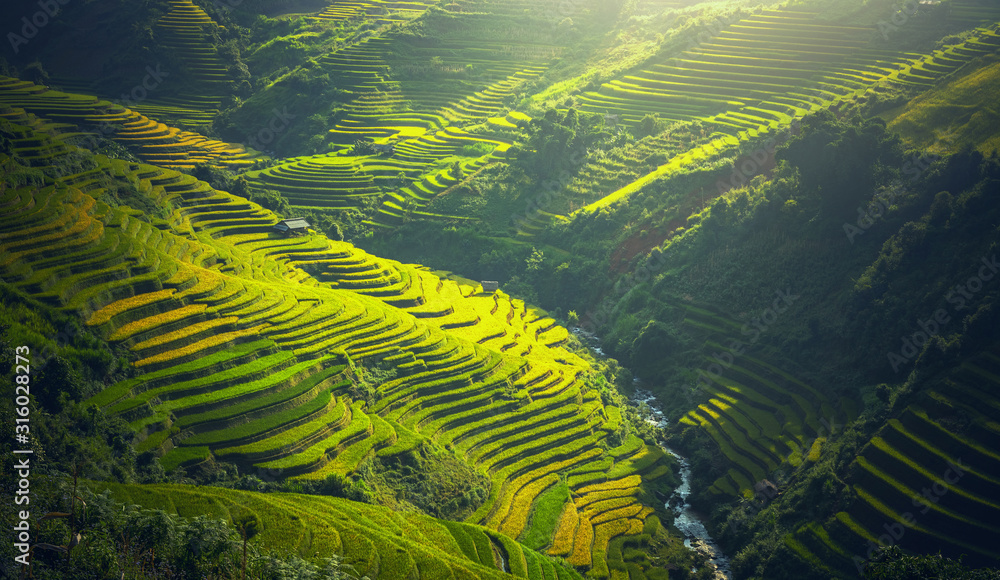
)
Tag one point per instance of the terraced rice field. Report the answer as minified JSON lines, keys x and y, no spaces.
{"x":191,"y":96}
{"x":379,"y":11}
{"x":972,"y":13}
{"x":760,"y":417}
{"x":246,"y":340}
{"x":931,"y":476}
{"x":412,"y":175}
{"x":809,"y":65}
{"x":373,"y":540}
{"x":189,"y":93}
{"x":421,"y":109}
{"x":149,"y":140}
{"x":806,"y":64}
{"x":186,"y":32}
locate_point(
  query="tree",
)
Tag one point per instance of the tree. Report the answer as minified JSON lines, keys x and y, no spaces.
{"x":267,"y":198}
{"x":363,"y":147}
{"x":207,"y":547}
{"x":892,"y":564}
{"x":217,"y":177}
{"x":36,"y":73}
{"x":557,"y":144}
{"x":941,"y":208}
{"x":842,"y":162}
{"x":497,"y":264}
{"x":58,"y":382}
{"x":883,"y":392}
{"x":534,"y":261}
{"x":248,"y":525}
{"x":650,"y":125}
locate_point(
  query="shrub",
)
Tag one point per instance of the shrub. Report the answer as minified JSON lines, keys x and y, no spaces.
{"x":477,"y":149}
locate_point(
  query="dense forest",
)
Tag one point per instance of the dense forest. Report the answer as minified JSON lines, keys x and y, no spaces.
{"x":547,"y":289}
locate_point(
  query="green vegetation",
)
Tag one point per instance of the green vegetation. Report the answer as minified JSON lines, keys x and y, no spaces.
{"x":201,"y":532}
{"x":893,"y":564}
{"x":780,"y":218}
{"x":256,"y":376}
{"x":942,"y":107}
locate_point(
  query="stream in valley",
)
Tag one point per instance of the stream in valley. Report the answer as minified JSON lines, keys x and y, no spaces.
{"x":686,"y":519}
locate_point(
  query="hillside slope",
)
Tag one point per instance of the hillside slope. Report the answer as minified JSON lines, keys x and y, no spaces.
{"x":374,"y":541}
{"x":247,"y":343}
{"x":781,"y":217}
{"x":962,"y":108}
{"x":850,"y":364}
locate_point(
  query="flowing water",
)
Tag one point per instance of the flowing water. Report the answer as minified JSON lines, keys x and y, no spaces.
{"x":686,"y":519}
{"x":502,"y":552}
